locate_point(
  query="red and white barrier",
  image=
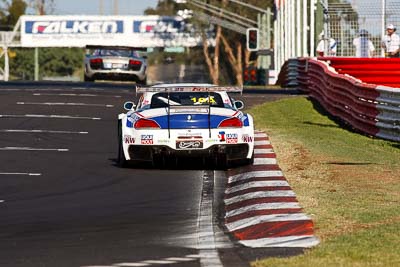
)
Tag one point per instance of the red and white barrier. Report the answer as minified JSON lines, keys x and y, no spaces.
{"x":261,"y":210}
{"x":371,"y":109}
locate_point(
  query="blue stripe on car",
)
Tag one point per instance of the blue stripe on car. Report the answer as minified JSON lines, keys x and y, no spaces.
{"x":129,"y":124}
{"x":245,"y":120}
{"x":182,"y":121}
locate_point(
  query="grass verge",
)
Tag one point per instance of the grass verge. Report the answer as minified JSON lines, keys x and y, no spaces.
{"x":347,"y":182}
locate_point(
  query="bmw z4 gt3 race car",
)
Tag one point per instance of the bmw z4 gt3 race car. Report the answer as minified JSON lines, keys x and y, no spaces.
{"x":185,"y":120}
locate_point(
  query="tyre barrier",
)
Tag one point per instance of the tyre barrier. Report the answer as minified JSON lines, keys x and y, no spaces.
{"x":261,"y":210}
{"x":369,"y":108}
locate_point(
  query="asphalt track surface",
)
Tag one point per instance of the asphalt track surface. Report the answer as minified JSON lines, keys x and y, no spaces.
{"x":64,"y":202}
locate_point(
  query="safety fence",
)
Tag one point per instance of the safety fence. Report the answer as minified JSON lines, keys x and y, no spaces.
{"x":369,"y":108}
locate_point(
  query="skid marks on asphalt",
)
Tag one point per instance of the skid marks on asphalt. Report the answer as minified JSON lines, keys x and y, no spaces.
{"x":158,"y":262}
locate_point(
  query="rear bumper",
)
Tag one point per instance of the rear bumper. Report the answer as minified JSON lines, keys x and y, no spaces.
{"x":147,"y":153}
{"x":101,"y":74}
{"x":117,"y":76}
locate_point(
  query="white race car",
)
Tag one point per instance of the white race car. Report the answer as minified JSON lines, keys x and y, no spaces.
{"x":185,"y":120}
{"x":115,"y":63}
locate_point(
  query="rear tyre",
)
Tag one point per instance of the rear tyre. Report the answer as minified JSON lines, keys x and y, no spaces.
{"x":221,"y":161}
{"x":143,"y":82}
{"x":87,"y":79}
{"x":121,"y":160}
{"x":250,"y":161}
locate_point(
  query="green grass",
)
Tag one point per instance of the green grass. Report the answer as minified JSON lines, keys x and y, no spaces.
{"x":346,"y":181}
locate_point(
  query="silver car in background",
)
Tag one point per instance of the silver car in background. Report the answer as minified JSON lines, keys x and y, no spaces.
{"x":115,"y":63}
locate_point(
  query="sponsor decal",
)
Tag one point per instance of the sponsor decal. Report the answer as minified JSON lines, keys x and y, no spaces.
{"x":163,"y":141}
{"x":146,"y":139}
{"x":131,"y":119}
{"x":212,"y":140}
{"x":189,"y":133}
{"x":244,"y":118}
{"x":189,"y":144}
{"x":247,"y":138}
{"x":241,"y":116}
{"x":231,"y":138}
{"x":158,"y":26}
{"x":221,"y":136}
{"x":129,"y":139}
{"x":74,"y":27}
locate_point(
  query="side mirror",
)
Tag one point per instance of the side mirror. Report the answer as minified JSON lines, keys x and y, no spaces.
{"x":129,"y":105}
{"x":239,"y":104}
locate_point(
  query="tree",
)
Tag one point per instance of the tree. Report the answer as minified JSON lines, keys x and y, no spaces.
{"x":42,"y":6}
{"x":10,"y":13}
{"x":233,"y":43}
{"x":163,"y":8}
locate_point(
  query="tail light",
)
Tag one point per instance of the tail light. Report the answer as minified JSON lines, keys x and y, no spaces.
{"x":231,"y":123}
{"x":145,"y":123}
{"x":253,"y":74}
{"x":135,"y":64}
{"x":96,"y":63}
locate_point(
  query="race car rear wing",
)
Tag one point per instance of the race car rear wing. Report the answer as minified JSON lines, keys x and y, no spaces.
{"x":171,"y":89}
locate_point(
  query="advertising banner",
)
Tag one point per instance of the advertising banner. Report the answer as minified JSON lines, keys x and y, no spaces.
{"x":79,"y":31}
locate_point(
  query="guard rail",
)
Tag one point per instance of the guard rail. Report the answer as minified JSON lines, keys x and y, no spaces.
{"x":369,"y":108}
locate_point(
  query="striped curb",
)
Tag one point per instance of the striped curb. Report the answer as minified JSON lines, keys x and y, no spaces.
{"x":261,"y":209}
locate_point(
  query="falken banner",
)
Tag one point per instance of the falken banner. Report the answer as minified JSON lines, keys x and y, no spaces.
{"x":79,"y":31}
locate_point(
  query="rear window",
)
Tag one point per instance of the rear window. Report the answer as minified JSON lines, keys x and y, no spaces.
{"x":116,"y":53}
{"x":160,"y":100}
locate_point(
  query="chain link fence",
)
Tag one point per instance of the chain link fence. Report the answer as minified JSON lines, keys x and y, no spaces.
{"x":369,"y":17}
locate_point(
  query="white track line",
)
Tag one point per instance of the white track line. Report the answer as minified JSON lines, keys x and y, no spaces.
{"x":128,"y":264}
{"x":206,"y":241}
{"x":40,"y":131}
{"x":260,"y":135}
{"x":84,"y":95}
{"x":265,"y":161}
{"x":246,"y":222}
{"x":255,"y":184}
{"x":180,"y":259}
{"x":260,"y":194}
{"x":262,"y":142}
{"x":263,"y":206}
{"x":254,"y":174}
{"x":48,"y":116}
{"x":33,"y":149}
{"x":305,"y":241}
{"x":20,"y":173}
{"x":182,"y":68}
{"x":65,"y":104}
{"x":263,"y":151}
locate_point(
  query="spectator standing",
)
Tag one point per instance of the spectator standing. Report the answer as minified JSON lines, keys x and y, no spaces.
{"x":321,"y":46}
{"x":391,"y":42}
{"x":364,"y":46}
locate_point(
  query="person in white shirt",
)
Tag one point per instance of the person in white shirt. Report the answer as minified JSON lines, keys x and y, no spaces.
{"x":364,"y":46}
{"x":391,"y":42}
{"x":321,"y":46}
